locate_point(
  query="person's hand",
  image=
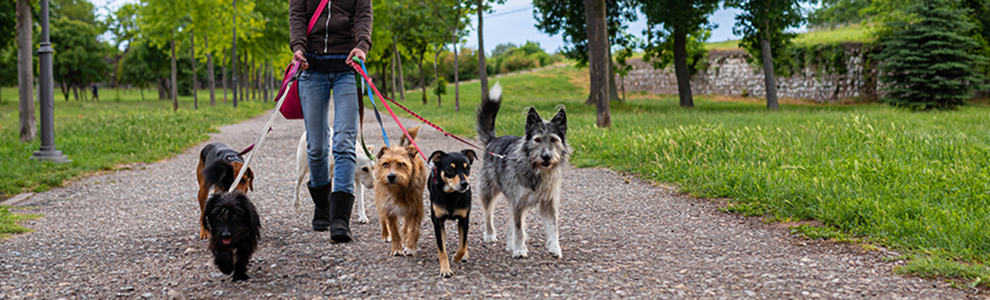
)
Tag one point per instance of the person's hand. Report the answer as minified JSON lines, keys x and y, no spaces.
{"x":355,"y":53}
{"x":300,"y":58}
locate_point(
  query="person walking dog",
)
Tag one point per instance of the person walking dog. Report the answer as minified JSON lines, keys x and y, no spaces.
{"x":342,"y":32}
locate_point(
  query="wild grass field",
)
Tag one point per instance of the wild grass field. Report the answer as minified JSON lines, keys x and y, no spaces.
{"x":915,"y":182}
{"x":99,"y":135}
{"x":846,"y":33}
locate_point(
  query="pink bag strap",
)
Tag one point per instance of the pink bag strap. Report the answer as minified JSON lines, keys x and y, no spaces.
{"x":316,"y":15}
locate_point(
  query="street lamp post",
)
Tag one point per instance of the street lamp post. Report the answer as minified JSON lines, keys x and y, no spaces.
{"x":46,"y":95}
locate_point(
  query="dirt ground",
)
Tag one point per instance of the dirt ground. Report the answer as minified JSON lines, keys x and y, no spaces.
{"x":133,"y":233}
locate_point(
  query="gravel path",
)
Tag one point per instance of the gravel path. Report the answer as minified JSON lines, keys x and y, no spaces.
{"x":133,"y":234}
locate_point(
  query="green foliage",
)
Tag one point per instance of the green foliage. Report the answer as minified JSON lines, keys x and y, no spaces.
{"x":79,"y":57}
{"x":102,"y":135}
{"x":441,"y":87}
{"x":8,"y":22}
{"x":77,"y":10}
{"x":144,"y":64}
{"x":821,"y":233}
{"x":9,"y":221}
{"x":661,"y":54}
{"x":510,"y":58}
{"x":833,"y":13}
{"x":929,"y":62}
{"x":932,"y":266}
{"x":567,"y":17}
{"x":767,"y":20}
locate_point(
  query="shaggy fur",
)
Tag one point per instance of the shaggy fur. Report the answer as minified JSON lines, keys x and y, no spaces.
{"x":529,"y":175}
{"x":218,"y":165}
{"x":234,"y":232}
{"x":363,"y":175}
{"x":450,"y":199}
{"x":401,"y":178}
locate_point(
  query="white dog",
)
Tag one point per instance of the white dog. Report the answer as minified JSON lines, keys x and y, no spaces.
{"x":363,"y":175}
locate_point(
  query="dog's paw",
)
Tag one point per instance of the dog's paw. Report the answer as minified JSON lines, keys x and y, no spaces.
{"x":520,"y":253}
{"x":554,"y":249}
{"x":489,"y":237}
{"x":396,"y":253}
{"x":408,"y":252}
{"x":241,"y":276}
{"x":446,"y":273}
{"x":363,"y":219}
{"x":203,"y":234}
{"x":387,"y":239}
{"x":461,"y":259}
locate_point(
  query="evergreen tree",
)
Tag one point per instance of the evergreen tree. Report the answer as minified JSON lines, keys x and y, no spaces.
{"x":929,"y":61}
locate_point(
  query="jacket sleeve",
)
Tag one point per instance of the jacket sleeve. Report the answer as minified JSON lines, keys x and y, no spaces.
{"x":298,"y":22}
{"x":363,"y":15}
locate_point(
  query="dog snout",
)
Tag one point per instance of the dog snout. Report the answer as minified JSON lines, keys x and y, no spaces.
{"x":391,"y":177}
{"x":545,"y":157}
{"x":225,"y":234}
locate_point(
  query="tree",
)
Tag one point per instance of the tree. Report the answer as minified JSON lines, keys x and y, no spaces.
{"x":80,"y":58}
{"x":143,"y":64}
{"x":928,"y":61}
{"x":25,"y":72}
{"x":483,"y":8}
{"x":838,"y":12}
{"x":8,"y":51}
{"x":598,"y":59}
{"x":676,"y":19}
{"x":762,"y":26}
{"x":567,"y":17}
{"x":78,"y":10}
{"x":159,"y":22}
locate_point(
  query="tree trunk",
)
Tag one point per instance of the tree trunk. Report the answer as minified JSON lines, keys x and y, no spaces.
{"x":75,"y":91}
{"x":681,"y":69}
{"x":394,"y":82}
{"x":436,"y":75}
{"x":598,"y":59}
{"x":482,"y":68}
{"x":398,"y":61}
{"x":212,"y":78}
{"x":457,"y":85}
{"x":422,"y":76}
{"x":25,"y":71}
{"x":769,"y":77}
{"x":142,"y":93}
{"x":223,"y":81}
{"x":613,"y":92}
{"x":192,"y":56}
{"x":174,"y":84}
{"x":265,"y":83}
{"x":162,"y":89}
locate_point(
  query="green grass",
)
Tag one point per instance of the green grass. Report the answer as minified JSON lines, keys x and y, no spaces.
{"x":841,"y":34}
{"x":916,"y":182}
{"x":102,"y":135}
{"x":9,"y":222}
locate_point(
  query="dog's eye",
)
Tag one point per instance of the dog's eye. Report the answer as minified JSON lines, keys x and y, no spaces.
{"x":365,"y":169}
{"x":553,"y":139}
{"x":384,"y":165}
{"x":538,"y":140}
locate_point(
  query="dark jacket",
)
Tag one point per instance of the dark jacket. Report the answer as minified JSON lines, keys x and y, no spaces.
{"x":350,"y":26}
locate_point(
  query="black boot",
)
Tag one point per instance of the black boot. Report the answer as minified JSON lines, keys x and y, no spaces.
{"x":341,"y":204}
{"x":321,"y":197}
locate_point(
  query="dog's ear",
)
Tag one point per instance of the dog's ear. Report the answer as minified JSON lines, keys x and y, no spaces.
{"x":470,"y":155}
{"x":250,"y":176}
{"x":435,"y":157}
{"x":371,"y":148}
{"x":532,"y":119}
{"x":560,"y":121}
{"x":411,"y":151}
{"x":412,"y":133}
{"x":381,"y":152}
{"x":211,"y":204}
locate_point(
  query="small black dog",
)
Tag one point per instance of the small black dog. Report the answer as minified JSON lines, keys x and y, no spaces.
{"x":234,"y":232}
{"x":450,"y":196}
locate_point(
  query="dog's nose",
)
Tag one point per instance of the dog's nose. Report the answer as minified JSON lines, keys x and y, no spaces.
{"x":546,"y":157}
{"x":464,"y":184}
{"x":391,"y":177}
{"x":225,"y":234}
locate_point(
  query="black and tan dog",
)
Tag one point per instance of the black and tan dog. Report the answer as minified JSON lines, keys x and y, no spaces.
{"x":218,"y":165}
{"x":450,"y":198}
{"x":234,"y":232}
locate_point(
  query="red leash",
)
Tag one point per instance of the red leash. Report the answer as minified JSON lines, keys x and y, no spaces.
{"x":374,"y":88}
{"x":421,"y":119}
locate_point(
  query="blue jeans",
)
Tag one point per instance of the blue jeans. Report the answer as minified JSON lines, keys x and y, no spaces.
{"x":314,"y":95}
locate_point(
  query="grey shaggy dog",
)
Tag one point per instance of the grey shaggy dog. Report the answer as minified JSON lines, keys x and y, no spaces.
{"x":529,"y":174}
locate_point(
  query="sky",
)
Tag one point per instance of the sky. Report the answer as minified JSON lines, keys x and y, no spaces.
{"x":513,"y":22}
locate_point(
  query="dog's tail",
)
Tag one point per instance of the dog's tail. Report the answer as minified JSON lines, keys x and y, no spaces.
{"x":220,"y":174}
{"x":487,"y":111}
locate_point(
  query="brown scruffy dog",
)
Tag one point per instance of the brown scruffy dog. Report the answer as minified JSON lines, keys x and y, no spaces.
{"x":400,"y":180}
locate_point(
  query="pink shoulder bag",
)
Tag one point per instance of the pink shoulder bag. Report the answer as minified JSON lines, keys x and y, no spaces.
{"x":292,"y":108}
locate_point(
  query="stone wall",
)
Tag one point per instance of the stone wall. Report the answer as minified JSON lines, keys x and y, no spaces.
{"x":728,"y":73}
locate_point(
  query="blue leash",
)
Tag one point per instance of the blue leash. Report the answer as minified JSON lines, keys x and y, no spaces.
{"x":372,"y":97}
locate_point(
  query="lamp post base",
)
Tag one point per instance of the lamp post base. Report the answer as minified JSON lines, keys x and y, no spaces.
{"x":50,"y":155}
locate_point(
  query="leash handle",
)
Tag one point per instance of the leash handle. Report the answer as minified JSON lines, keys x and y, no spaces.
{"x":375,"y":89}
{"x":264,"y":131}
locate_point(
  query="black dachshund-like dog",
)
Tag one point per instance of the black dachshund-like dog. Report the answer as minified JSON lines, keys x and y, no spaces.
{"x":450,"y":197}
{"x":234,"y":232}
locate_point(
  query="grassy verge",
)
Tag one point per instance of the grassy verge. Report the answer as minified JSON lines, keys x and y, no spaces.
{"x":916,"y":182}
{"x":101,"y":135}
{"x":9,"y":222}
{"x":841,"y":34}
